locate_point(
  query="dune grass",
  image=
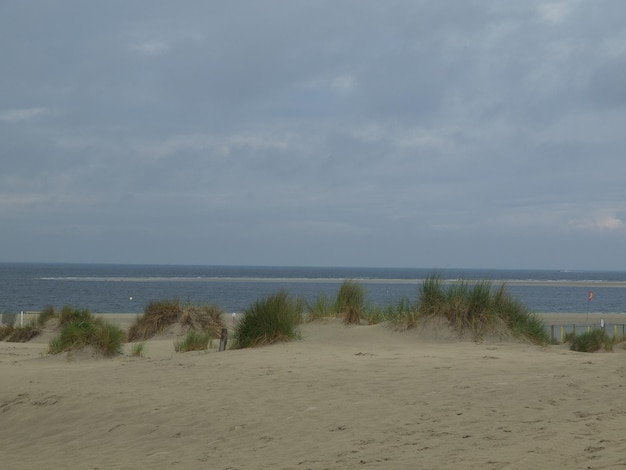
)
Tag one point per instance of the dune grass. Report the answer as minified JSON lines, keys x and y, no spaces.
{"x":160,"y":314}
{"x":592,"y":341}
{"x":79,"y":328}
{"x":472,"y":310}
{"x":350,"y":301}
{"x":137,"y":349}
{"x":270,"y":320}
{"x":322,"y":307}
{"x":22,"y":334}
{"x":157,"y":315}
{"x":194,"y":341}
{"x":46,"y":314}
{"x":5,"y":331}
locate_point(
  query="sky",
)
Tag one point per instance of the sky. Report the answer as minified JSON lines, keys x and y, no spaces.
{"x":432,"y":134}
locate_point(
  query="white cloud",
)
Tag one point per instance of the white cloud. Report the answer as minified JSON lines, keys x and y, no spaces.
{"x":150,"y":48}
{"x":341,"y":82}
{"x":160,"y":43}
{"x":23,"y":114}
{"x":555,"y":12}
{"x":221,"y":146}
{"x":603,"y":219}
{"x":16,"y":201}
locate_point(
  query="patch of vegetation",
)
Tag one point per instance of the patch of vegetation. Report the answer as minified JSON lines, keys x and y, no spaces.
{"x":592,"y":341}
{"x":472,"y":310}
{"x":46,"y":314}
{"x":158,"y":315}
{"x":375,"y":315}
{"x":349,"y":302}
{"x":351,"y":316}
{"x":5,"y":331}
{"x":72,"y":315}
{"x":137,"y":349}
{"x":207,"y":318}
{"x":322,"y":307}
{"x":79,"y":328}
{"x":270,"y":320}
{"x":194,"y":341}
{"x":23,"y":334}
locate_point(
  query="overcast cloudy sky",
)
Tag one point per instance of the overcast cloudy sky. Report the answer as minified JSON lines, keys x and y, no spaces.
{"x":457,"y":133}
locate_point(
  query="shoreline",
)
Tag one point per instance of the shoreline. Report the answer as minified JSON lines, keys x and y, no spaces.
{"x":124,"y":320}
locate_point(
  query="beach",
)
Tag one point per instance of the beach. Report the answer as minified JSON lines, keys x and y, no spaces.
{"x":342,"y":397}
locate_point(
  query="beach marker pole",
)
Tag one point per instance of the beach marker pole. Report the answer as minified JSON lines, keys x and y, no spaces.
{"x":22,"y":318}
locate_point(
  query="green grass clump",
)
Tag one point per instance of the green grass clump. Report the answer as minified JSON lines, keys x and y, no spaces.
{"x":273,"y":319}
{"x":592,"y":341}
{"x":137,"y":349}
{"x":472,"y":310}
{"x":194,"y":341}
{"x":322,"y":307}
{"x":350,"y":298}
{"x":375,"y":315}
{"x":72,"y":315}
{"x":79,"y":328}
{"x":46,"y":314}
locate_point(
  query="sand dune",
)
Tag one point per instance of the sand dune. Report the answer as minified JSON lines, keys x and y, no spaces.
{"x":343,"y":397}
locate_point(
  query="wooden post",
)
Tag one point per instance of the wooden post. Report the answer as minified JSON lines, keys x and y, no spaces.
{"x":552,"y":332}
{"x":223,"y":339}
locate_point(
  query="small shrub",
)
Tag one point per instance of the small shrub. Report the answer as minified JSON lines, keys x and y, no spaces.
{"x":275,"y":318}
{"x":194,"y":341}
{"x":592,"y":341}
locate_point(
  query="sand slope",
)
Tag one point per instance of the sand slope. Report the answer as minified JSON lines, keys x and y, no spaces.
{"x":344,"y":397}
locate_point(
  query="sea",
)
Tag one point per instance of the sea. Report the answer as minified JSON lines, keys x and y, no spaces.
{"x":128,"y":288}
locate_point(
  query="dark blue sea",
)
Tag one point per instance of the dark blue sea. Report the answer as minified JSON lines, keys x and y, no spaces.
{"x":107,"y":288}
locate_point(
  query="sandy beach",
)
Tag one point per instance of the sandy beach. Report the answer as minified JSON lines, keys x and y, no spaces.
{"x":340,"y":398}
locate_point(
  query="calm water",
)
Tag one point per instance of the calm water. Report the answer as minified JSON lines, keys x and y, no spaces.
{"x":128,"y":288}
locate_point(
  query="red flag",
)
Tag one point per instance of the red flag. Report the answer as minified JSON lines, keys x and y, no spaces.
{"x":590,"y":296}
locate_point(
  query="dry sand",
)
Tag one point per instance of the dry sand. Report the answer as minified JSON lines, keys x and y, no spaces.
{"x":342,"y":398}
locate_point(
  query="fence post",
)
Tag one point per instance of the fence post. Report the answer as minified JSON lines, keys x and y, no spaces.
{"x":562,"y":333}
{"x":552,"y":332}
{"x":223,"y":339}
